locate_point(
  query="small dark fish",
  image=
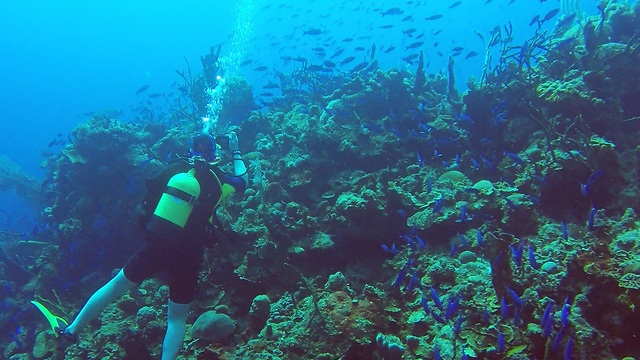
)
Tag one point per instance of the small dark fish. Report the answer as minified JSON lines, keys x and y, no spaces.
{"x":261,"y":68}
{"x":436,"y":353}
{"x":479,"y":237}
{"x":564,"y":314}
{"x":389,"y":49}
{"x":515,"y":297}
{"x":457,"y":326}
{"x":485,"y":317}
{"x":246,"y":62}
{"x":410,"y":57}
{"x":312,"y":31}
{"x":266,"y":93}
{"x":565,"y":20}
{"x":438,"y":205}
{"x":491,"y":167}
{"x":359,"y":48}
{"x":546,"y":314}
{"x":412,"y":283}
{"x":514,"y":157}
{"x":584,"y":188}
{"x":360,"y":66}
{"x":155,"y":95}
{"x":435,"y":298}
{"x":407,"y":18}
{"x":315,"y":68}
{"x":516,"y":316}
{"x":463,"y":215}
{"x":409,"y":31}
{"x":142,"y":89}
{"x":516,"y":253}
{"x":500,"y":342}
{"x":347,"y":60}
{"x":551,"y":14}
{"x":271,"y":85}
{"x":318,"y":49}
{"x":454,"y":250}
{"x":532,"y":258}
{"x":465,"y":240}
{"x":457,"y":49}
{"x":452,"y":307}
{"x":455,"y":4}
{"x":592,"y":216}
{"x":558,"y":339}
{"x":387,"y":26}
{"x":503,"y":308}
{"x":438,"y":318}
{"x":567,"y":349}
{"x":393,"y":11}
{"x":425,"y":304}
{"x":347,"y":40}
{"x":540,"y":180}
{"x":329,"y":64}
{"x":536,"y":19}
{"x":390,"y":250}
{"x":475,"y":164}
{"x":385,"y":248}
{"x":565,"y":231}
{"x":15,"y":339}
{"x":337,"y":53}
{"x":403,"y":273}
{"x":434,"y":17}
{"x":470,"y":54}
{"x":465,"y":118}
{"x":414,"y":45}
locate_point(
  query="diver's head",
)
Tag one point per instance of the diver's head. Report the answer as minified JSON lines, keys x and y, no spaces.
{"x":203,"y":145}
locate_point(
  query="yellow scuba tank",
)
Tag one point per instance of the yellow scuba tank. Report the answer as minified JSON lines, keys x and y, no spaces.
{"x":176,"y":203}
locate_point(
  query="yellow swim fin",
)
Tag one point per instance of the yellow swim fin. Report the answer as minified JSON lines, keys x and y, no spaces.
{"x":57,"y":323}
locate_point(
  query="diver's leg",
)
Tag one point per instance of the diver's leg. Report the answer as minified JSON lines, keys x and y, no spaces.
{"x":184,"y":270}
{"x":176,"y":325}
{"x":111,"y":291}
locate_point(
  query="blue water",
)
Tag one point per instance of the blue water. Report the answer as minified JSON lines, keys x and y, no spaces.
{"x":65,"y":59}
{"x":62,"y":59}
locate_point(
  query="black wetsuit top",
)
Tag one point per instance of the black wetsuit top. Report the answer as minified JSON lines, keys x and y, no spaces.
{"x":178,"y":254}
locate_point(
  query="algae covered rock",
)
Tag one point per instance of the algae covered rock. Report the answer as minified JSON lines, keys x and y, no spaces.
{"x":259,"y":311}
{"x":350,"y":202}
{"x":213,"y":326}
{"x":390,"y":346}
{"x":336,"y":282}
{"x":484,"y":187}
{"x":43,"y":345}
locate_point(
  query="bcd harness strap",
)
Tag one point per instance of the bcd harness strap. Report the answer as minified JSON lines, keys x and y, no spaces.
{"x":188,"y":198}
{"x":226,"y":190}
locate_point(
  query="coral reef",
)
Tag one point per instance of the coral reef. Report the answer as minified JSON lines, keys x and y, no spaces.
{"x":388,"y":216}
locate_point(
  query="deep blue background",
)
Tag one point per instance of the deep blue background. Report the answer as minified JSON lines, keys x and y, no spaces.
{"x":62,"y":59}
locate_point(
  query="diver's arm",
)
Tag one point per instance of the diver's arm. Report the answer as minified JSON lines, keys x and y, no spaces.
{"x":239,"y":167}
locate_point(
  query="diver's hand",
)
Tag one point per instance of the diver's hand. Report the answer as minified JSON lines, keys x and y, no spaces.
{"x":233,"y":141}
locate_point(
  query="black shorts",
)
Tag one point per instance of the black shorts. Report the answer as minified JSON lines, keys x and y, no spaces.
{"x":179,"y":261}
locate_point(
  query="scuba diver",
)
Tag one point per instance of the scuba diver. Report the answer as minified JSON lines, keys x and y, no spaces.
{"x":177,"y":214}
